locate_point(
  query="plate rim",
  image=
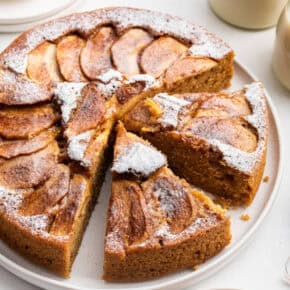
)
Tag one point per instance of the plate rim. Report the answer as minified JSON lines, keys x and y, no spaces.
{"x":37,"y":17}
{"x":185,"y":280}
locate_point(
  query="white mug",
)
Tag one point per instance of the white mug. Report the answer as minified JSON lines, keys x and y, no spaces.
{"x":250,"y":14}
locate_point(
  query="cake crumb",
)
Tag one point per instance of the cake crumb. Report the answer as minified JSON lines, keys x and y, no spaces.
{"x":245,"y":217}
{"x":195,"y":267}
{"x":266,"y":179}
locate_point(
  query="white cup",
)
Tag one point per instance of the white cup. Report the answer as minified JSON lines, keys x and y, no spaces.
{"x":250,"y":14}
{"x":281,"y":53}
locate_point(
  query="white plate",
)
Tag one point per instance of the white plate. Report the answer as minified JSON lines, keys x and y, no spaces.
{"x":30,"y":13}
{"x":87,"y":269}
{"x":23,"y":11}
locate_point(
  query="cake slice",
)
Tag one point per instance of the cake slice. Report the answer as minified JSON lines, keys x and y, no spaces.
{"x":157,"y":223}
{"x":215,"y":141}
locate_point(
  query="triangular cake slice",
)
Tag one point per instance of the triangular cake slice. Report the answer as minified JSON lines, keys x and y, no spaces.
{"x":216,"y":141}
{"x":157,"y":223}
{"x":49,"y":182}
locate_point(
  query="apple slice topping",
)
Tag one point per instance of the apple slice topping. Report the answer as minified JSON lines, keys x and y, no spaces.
{"x":186,"y":67}
{"x":89,"y":113}
{"x":16,"y":89}
{"x":27,"y":122}
{"x":42,"y":66}
{"x":125,"y":51}
{"x":68,"y":57}
{"x":96,"y":55}
{"x":160,"y":54}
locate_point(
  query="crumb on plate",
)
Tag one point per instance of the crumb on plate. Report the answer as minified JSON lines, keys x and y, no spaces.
{"x":245,"y":217}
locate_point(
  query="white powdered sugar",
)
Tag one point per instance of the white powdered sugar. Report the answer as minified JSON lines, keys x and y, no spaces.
{"x":77,"y":146}
{"x":20,"y":90}
{"x":197,"y":224}
{"x":241,"y":160}
{"x":67,"y":95}
{"x":111,"y":81}
{"x":149,"y":81}
{"x":254,"y":93}
{"x":209,"y":47}
{"x":36,"y":223}
{"x":171,"y":106}
{"x":11,"y":200}
{"x":109,"y":75}
{"x":139,"y":159}
{"x":15,"y":57}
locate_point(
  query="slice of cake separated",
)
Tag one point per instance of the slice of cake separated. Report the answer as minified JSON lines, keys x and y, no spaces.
{"x":216,"y":141}
{"x":53,"y":160}
{"x":157,"y":223}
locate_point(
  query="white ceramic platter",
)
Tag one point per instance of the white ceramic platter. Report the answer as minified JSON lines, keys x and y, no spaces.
{"x":21,"y":15}
{"x":87,"y":269}
{"x":23,"y":11}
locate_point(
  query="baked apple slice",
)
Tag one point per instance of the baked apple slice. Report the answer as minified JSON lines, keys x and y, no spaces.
{"x":218,"y":105}
{"x":42,"y":66}
{"x":125,"y":51}
{"x":89,"y":113}
{"x":160,"y":54}
{"x":232,"y":131}
{"x":74,"y":204}
{"x":186,"y":67}
{"x":96,"y":55}
{"x":17,"y":89}
{"x":68,"y":57}
{"x":13,"y":148}
{"x":31,"y":170}
{"x":48,"y":195}
{"x":23,"y":123}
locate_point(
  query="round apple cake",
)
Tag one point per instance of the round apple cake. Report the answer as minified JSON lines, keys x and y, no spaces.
{"x":65,"y":84}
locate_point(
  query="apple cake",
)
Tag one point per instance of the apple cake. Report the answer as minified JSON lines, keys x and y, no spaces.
{"x":64,"y":85}
{"x":157,"y":223}
{"x":216,"y":141}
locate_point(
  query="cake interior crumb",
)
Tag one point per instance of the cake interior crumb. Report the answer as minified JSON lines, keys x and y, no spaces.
{"x":245,"y":217}
{"x":266,"y":179}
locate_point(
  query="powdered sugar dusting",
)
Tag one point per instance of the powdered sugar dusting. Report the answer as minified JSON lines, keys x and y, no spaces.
{"x":36,"y":223}
{"x":15,"y":57}
{"x":254,"y":93}
{"x":246,"y":161}
{"x":111,"y":81}
{"x":10,"y":199}
{"x":77,"y":146}
{"x":10,"y":202}
{"x":209,"y":47}
{"x":171,"y":106}
{"x":167,"y":196}
{"x":111,"y":74}
{"x":199,"y":223}
{"x":139,"y":159}
{"x":150,"y":82}
{"x":67,"y":95}
{"x":19,"y":90}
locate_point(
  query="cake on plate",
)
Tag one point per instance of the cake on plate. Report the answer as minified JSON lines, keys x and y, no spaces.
{"x":63,"y":86}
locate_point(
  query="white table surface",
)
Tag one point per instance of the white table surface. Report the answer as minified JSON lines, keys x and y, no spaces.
{"x":260,"y":265}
